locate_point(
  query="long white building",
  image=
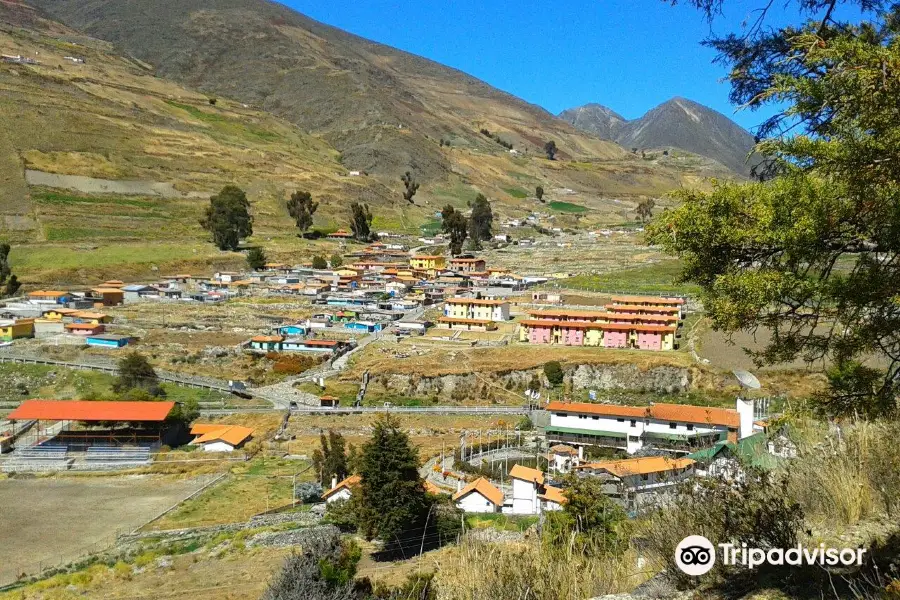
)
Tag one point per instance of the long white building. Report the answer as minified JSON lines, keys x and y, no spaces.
{"x":674,"y":427}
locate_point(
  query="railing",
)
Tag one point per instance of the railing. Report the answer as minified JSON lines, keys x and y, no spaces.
{"x":485,"y":410}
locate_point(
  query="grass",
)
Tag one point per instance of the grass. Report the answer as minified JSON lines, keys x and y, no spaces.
{"x":500,"y":522}
{"x":567,"y":207}
{"x":518,"y":193}
{"x":657,"y":278}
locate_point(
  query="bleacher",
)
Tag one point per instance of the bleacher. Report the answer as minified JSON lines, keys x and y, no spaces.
{"x":116,"y":457}
{"x":43,"y":457}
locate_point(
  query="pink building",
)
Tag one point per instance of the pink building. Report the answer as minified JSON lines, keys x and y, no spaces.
{"x":616,"y":337}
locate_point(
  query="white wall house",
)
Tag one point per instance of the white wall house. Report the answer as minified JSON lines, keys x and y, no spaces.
{"x":220,"y":438}
{"x":563,"y":458}
{"x":632,"y":477}
{"x":526,"y":483}
{"x":342,"y":490}
{"x":480,"y":496}
{"x":680,"y":429}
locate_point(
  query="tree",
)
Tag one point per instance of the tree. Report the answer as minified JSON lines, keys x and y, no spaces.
{"x":411,"y":185}
{"x":482,"y":219}
{"x":811,"y":253}
{"x":360,"y":221}
{"x":330,"y":460}
{"x":324,"y":569}
{"x":589,"y":519}
{"x":644,"y":209}
{"x":550,"y":150}
{"x":454,"y":224}
{"x":302,"y":208}
{"x":228,"y":218}
{"x":136,"y":373}
{"x":554,"y":373}
{"x":336,"y":261}
{"x":256,"y":259}
{"x":392,"y":498}
{"x":7,"y":279}
{"x":539,"y":192}
{"x":319,"y":262}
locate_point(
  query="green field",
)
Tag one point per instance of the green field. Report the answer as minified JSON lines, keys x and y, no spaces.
{"x":568,"y":207}
{"x":516,"y":192}
{"x":656,"y":278}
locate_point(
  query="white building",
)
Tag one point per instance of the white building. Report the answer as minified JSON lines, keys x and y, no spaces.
{"x":480,"y":496}
{"x":220,"y":438}
{"x":551,"y":499}
{"x":673,"y":427}
{"x":526,"y":483}
{"x":342,"y":490}
{"x":563,"y":458}
{"x":633,"y":478}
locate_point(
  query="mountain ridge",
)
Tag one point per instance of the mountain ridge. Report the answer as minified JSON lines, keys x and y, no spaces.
{"x":677,"y":123}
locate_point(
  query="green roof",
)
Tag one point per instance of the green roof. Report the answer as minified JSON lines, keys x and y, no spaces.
{"x":752,"y":451}
{"x":592,"y":432}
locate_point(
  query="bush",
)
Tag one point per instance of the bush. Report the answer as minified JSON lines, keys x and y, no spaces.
{"x":554,"y":373}
{"x":308,"y":492}
{"x":319,"y":262}
{"x":324,"y":570}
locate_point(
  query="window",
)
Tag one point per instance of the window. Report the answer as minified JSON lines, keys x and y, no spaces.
{"x":596,"y":418}
{"x":690,"y":427}
{"x":560,"y":414}
{"x":633,"y":423}
{"x":620,"y":420}
{"x":673,"y":425}
{"x":645,"y":477}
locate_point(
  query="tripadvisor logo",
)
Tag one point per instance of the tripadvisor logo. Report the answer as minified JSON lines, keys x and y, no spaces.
{"x":695,"y":555}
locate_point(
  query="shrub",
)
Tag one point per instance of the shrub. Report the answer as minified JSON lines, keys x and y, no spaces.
{"x":323,"y":570}
{"x":308,"y":492}
{"x":554,"y":373}
{"x":319,"y":262}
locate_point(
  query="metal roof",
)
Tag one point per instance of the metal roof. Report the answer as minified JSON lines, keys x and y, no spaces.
{"x":91,"y":410}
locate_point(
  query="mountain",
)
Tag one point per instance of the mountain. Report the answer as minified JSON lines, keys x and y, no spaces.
{"x":595,"y":118}
{"x":678,"y":123}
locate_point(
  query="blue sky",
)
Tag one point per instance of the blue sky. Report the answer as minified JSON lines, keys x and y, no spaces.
{"x":627,"y":54}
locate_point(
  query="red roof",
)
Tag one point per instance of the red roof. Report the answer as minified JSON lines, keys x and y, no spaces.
{"x":91,"y":410}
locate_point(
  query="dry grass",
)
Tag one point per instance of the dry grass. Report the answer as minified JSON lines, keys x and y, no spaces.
{"x":526,"y":571}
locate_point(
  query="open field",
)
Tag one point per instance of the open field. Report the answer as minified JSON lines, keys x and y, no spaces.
{"x":653,"y":278}
{"x":50,"y":521}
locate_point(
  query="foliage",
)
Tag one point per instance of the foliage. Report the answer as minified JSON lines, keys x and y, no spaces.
{"x":343,"y":514}
{"x":554,"y":373}
{"x":411,"y":186}
{"x":185,"y":411}
{"x":322,"y":570}
{"x":256,"y":258}
{"x":454,"y":224}
{"x":589,"y":521}
{"x":319,"y":262}
{"x":482,"y":219}
{"x":418,"y":586}
{"x":361,"y":221}
{"x":228,"y":218}
{"x":644,"y":209}
{"x":497,"y":138}
{"x":813,"y":254}
{"x":302,"y":208}
{"x":539,"y":192}
{"x":336,"y":261}
{"x":330,"y":460}
{"x":308,"y":492}
{"x":9,"y":281}
{"x":550,"y":150}
{"x":136,"y":372}
{"x":392,"y":498}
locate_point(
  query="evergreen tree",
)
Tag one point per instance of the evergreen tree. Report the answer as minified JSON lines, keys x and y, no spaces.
{"x":336,"y":261}
{"x":554,"y":373}
{"x":136,"y":373}
{"x":302,"y":208}
{"x":482,"y":219}
{"x":228,"y":218}
{"x":811,"y":254}
{"x":256,"y":259}
{"x":589,"y":519}
{"x":361,"y":221}
{"x":319,"y":262}
{"x":550,"y":150}
{"x":331,"y":459}
{"x":9,"y":282}
{"x":392,"y":498}
{"x":539,"y":193}
{"x":454,"y":224}
{"x":411,"y":185}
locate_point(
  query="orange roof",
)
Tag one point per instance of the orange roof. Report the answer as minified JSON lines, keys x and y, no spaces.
{"x":264,"y":339}
{"x":47,"y":294}
{"x":640,"y":466}
{"x":432,"y":489}
{"x":232,"y":434}
{"x":527,"y":474}
{"x":107,"y":290}
{"x":647,"y":300}
{"x":331,"y":398}
{"x":627,"y":308}
{"x":425,"y":257}
{"x":201,"y":428}
{"x":663,"y":412}
{"x":83,"y":326}
{"x":87,"y":315}
{"x":88,"y":410}
{"x":350,"y":482}
{"x":644,"y":317}
{"x":62,"y":311}
{"x":483,"y":487}
{"x":478,"y":301}
{"x":563,"y":449}
{"x":564,"y":312}
{"x":464,"y":321}
{"x":553,"y":494}
{"x":325,"y":343}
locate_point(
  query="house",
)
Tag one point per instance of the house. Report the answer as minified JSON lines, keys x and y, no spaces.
{"x":467,"y":265}
{"x":477,"y":308}
{"x":340,"y":234}
{"x":58,"y":314}
{"x":677,"y":428}
{"x":136,"y":293}
{"x":480,"y":496}
{"x":14,"y":330}
{"x":730,"y":460}
{"x":86,"y":316}
{"x":108,"y":340}
{"x":329,"y":401}
{"x":428,"y":262}
{"x":650,"y":301}
{"x":296,"y":329}
{"x":527,"y":483}
{"x":85,"y":329}
{"x":465,"y":324}
{"x":50,"y":296}
{"x":546,"y":297}
{"x":418,"y":327}
{"x":108,"y":296}
{"x":266,"y":343}
{"x":631,"y":478}
{"x":551,"y":499}
{"x":48,"y":327}
{"x":576,"y":332}
{"x":363,"y":326}
{"x":562,"y":458}
{"x":342,"y":490}
{"x":220,"y":438}
{"x":320,"y":346}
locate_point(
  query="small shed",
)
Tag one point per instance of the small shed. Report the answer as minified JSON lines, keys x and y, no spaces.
{"x":108,"y":340}
{"x":220,"y":438}
{"x":329,"y":401}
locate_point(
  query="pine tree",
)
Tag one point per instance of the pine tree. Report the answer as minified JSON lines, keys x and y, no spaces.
{"x":302,"y":208}
{"x":228,"y":218}
{"x":256,"y":259}
{"x":392,"y":498}
{"x":482,"y":219}
{"x":361,"y":221}
{"x":330,"y":460}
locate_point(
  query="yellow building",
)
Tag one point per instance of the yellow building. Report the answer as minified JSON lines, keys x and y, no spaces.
{"x":13,"y":330}
{"x":478,"y":309}
{"x":428,"y":262}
